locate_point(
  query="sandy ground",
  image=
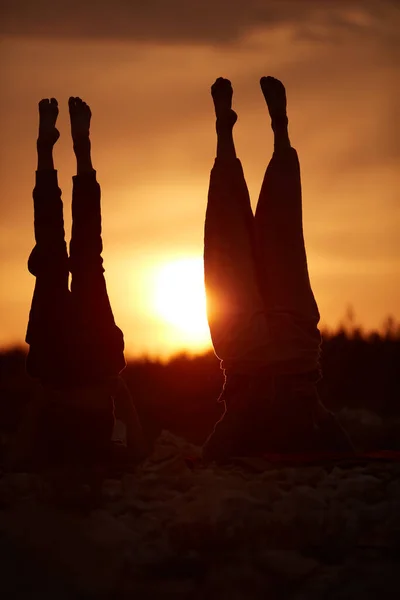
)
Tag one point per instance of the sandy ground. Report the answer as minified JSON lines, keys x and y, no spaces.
{"x":169,"y":531}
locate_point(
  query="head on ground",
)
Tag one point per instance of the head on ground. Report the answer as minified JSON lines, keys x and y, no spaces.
{"x":65,"y":424}
{"x":77,"y":423}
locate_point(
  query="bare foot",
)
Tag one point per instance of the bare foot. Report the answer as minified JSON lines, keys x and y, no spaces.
{"x":80,"y":115}
{"x":48,"y":113}
{"x":275,"y":96}
{"x":222,"y":92}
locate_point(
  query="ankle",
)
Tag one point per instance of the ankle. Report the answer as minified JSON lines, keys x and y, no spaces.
{"x":225,"y":122}
{"x":81,"y":145}
{"x":44,"y":145}
{"x":45,"y":156}
{"x":84,"y":167}
{"x":281,"y":134}
{"x":82,"y":149}
{"x":279,"y":124}
{"x":225,"y":145}
{"x":224,"y":132}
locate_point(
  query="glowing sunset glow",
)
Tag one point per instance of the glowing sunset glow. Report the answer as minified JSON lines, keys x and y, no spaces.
{"x":153,"y":145}
{"x":179,"y":299}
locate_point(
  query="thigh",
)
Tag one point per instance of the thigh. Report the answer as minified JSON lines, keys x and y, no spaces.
{"x":97,"y":341}
{"x":281,"y":253}
{"x":233,"y":297}
{"x":49,"y":333}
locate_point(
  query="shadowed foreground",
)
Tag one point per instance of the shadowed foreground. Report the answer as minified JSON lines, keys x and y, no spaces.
{"x":170,"y":531}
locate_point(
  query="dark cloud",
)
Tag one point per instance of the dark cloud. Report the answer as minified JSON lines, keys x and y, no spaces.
{"x":200,"y":21}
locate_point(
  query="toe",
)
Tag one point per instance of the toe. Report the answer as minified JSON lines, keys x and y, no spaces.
{"x":272,"y":87}
{"x":88,"y":111}
{"x":271,"y":82}
{"x":71,"y":104}
{"x":221,"y":82}
{"x":266,"y":81}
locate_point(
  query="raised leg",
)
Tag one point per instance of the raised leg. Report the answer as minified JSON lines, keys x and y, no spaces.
{"x":234,"y":304}
{"x":292,"y":311}
{"x":49,"y":315}
{"x":99,"y":342}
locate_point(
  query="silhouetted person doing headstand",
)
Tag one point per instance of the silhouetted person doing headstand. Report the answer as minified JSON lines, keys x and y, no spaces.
{"x":76,"y":349}
{"x":261,"y":309}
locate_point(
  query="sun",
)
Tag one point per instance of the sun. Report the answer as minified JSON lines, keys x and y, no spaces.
{"x":180,"y":300}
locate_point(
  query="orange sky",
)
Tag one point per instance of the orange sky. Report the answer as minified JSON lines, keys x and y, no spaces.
{"x":153,"y":145}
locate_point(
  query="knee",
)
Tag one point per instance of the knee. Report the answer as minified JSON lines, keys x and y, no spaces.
{"x":50,"y":261}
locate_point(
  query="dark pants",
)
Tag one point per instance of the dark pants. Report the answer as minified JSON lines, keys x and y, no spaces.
{"x":261,"y":309}
{"x":72,"y":336}
{"x":263,"y":316}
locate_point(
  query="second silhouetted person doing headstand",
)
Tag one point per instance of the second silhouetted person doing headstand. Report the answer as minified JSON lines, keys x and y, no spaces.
{"x":262,"y":313}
